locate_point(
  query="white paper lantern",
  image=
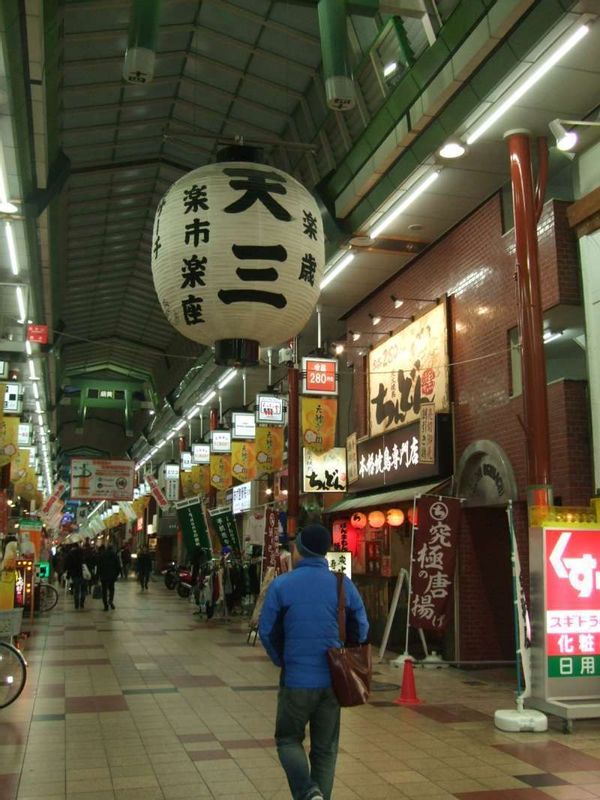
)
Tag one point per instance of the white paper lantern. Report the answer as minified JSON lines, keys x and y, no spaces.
{"x":237,"y":257}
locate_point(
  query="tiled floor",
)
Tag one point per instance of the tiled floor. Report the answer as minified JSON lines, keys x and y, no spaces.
{"x":150,"y":701}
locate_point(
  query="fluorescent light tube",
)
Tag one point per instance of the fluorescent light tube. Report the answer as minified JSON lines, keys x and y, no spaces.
{"x":36,"y":391}
{"x":12,"y":250}
{"x":336,"y":269}
{"x":534,"y":76}
{"x":28,"y":347}
{"x":41,"y":419}
{"x":389,"y":69}
{"x":180,"y":424}
{"x":207,"y":398}
{"x":32,"y":374}
{"x":21,"y":304}
{"x":229,"y":376}
{"x":402,"y":204}
{"x":38,"y":407}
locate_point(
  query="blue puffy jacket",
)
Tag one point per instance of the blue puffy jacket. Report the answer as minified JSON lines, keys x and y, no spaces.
{"x":298,"y":622}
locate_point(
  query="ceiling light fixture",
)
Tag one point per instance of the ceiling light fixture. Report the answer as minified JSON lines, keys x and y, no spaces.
{"x":32,"y":374}
{"x":389,"y":69}
{"x":38,"y":407}
{"x":12,"y":250}
{"x":28,"y":347}
{"x":549,"y":336}
{"x":355,"y":335}
{"x":335,"y":269}
{"x":452,"y":150}
{"x":533,"y":76}
{"x":207,"y":398}
{"x":566,"y":140}
{"x":227,"y":378}
{"x":375,"y":319}
{"x":402,"y":204}
{"x":339,"y":349}
{"x":399,"y":301}
{"x":21,"y":304}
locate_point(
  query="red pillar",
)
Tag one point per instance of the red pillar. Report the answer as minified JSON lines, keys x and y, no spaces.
{"x":213,"y":424}
{"x":293,"y":504}
{"x":527,"y":206}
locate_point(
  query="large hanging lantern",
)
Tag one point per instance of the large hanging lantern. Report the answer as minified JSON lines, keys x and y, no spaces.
{"x":359,"y":520}
{"x":395,"y":517}
{"x":237,"y":257}
{"x":376,"y":519}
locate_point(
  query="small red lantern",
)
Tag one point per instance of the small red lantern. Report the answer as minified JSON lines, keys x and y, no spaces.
{"x":377,"y":519}
{"x":412,"y":517}
{"x":395,"y":517}
{"x":358,"y":520}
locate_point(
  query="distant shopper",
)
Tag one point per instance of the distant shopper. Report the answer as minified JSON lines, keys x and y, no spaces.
{"x":79,"y":573}
{"x":298,"y":624}
{"x":144,"y":567}
{"x":109,"y":570}
{"x":125,"y":560}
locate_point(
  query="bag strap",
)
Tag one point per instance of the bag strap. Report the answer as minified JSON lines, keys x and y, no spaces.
{"x":341,"y":608}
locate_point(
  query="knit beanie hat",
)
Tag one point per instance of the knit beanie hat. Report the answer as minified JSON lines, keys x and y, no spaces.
{"x":313,"y":541}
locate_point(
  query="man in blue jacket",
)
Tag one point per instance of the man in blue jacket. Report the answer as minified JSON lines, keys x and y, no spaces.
{"x":297,"y":626}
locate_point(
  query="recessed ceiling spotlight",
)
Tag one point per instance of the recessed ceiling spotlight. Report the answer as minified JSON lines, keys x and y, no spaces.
{"x":416,"y":226}
{"x":375,"y":319}
{"x":452,"y":150}
{"x":390,"y":68}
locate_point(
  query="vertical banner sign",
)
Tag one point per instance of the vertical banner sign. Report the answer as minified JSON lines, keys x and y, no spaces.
{"x":201,"y":479}
{"x":521,"y":613}
{"x":269,"y":450}
{"x":157,"y":492}
{"x":572,"y":579}
{"x":190,"y":516}
{"x":352,"y":458}
{"x":225,"y":528}
{"x":243,"y":461}
{"x":318,"y":417}
{"x":271,"y":541}
{"x":433,"y":560}
{"x":3,"y":511}
{"x":427,"y":434}
{"x":9,"y":439}
{"x":187,"y":484}
{"x":2,"y":392}
{"x":220,"y":471}
{"x":171,"y":477}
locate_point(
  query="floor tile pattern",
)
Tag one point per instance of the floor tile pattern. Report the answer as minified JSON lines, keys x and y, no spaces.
{"x":152,"y":702}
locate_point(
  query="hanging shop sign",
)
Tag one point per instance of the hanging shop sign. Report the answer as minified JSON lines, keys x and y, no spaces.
{"x":318,"y":421}
{"x":186,"y":461}
{"x":427,"y":434}
{"x":9,"y":439}
{"x":407,"y":370}
{"x":433,"y":561}
{"x":190,"y":516}
{"x":340,"y":562}
{"x":352,"y":458}
{"x":101,"y":479}
{"x":220,"y":441}
{"x":243,"y":461}
{"x":270,"y":409}
{"x":394,"y":457}
{"x":224,"y":525}
{"x":25,"y":433}
{"x":13,"y":398}
{"x":220,"y":471}
{"x":324,"y":472}
{"x":271,"y":540}
{"x":30,"y":536}
{"x":170,"y":481}
{"x":319,"y":376}
{"x":238,"y":253}
{"x":38,"y":334}
{"x":243,"y":425}
{"x":157,"y":492}
{"x":242,"y":498}
{"x":269,"y":450}
{"x":4,"y":515}
{"x":201,"y":453}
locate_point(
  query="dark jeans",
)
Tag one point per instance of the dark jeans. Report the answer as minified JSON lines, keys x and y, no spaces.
{"x":144,"y":577}
{"x":79,"y":592}
{"x":318,"y":708}
{"x":108,"y":592}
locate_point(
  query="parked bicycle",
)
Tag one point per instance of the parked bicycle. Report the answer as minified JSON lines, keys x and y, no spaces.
{"x":13,"y":667}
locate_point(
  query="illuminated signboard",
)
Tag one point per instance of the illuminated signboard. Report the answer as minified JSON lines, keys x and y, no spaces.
{"x":269,"y":409}
{"x":13,"y":398}
{"x":220,"y":441}
{"x":242,"y":498}
{"x":243,"y":425}
{"x":186,"y":461}
{"x":201,"y":453}
{"x":319,"y":376}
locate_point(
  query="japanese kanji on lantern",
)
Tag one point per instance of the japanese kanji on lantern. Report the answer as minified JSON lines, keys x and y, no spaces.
{"x":237,"y":257}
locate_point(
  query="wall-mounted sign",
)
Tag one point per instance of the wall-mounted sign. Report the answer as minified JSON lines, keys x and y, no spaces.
{"x":242,"y":498}
{"x":186,"y":461}
{"x":201,"y":453}
{"x":37,"y":333}
{"x":352,"y":458}
{"x":340,"y":562}
{"x":269,"y":409}
{"x":319,"y":376}
{"x":220,"y":441}
{"x":101,"y":479}
{"x":325,"y":472}
{"x":394,"y":457}
{"x":243,"y":425}
{"x":25,"y":431}
{"x":407,"y":370}
{"x":13,"y":398}
{"x":427,"y":434}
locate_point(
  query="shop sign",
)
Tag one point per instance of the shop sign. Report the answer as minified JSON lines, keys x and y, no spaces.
{"x":269,"y":449}
{"x":395,"y":457}
{"x":25,"y":431}
{"x":220,"y":471}
{"x":433,"y":561}
{"x":37,"y":334}
{"x":319,"y":376}
{"x":101,"y":479}
{"x":271,"y":540}
{"x":54,"y":499}
{"x":224,"y":525}
{"x":13,"y":398}
{"x":572,"y":580}
{"x":243,"y":460}
{"x":243,"y":425}
{"x":157,"y":492}
{"x":324,"y":472}
{"x":186,"y":461}
{"x":340,"y":562}
{"x":269,"y":409}
{"x":3,"y":511}
{"x":190,"y":516}
{"x":201,"y":453}
{"x":408,"y":370}
{"x":139,"y":525}
{"x":242,"y":498}
{"x":220,"y":441}
{"x":171,"y":479}
{"x":427,"y":434}
{"x":352,"y":457}
{"x":318,"y":416}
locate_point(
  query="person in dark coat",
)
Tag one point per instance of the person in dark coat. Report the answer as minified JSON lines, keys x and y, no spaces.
{"x":74,"y":567}
{"x":144,"y":567}
{"x":109,"y":570}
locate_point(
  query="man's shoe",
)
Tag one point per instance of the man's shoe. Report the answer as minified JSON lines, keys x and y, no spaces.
{"x":316,"y":795}
{"x":112,"y":606}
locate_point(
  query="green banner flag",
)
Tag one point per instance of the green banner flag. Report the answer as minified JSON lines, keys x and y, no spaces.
{"x":225,"y":528}
{"x":193,"y":526}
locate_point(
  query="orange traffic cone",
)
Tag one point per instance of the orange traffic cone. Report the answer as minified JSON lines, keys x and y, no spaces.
{"x":408,"y":693}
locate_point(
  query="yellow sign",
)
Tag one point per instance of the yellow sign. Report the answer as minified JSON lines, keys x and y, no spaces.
{"x":243,"y":461}
{"x":201,"y":479}
{"x":9,"y":439}
{"x":2,"y":392}
{"x":220,"y":470}
{"x":319,"y":416}
{"x":269,"y":449}
{"x":26,"y":486}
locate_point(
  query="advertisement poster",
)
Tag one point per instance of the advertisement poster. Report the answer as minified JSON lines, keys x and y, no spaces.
{"x":318,"y":417}
{"x":319,"y":376}
{"x":190,"y":516}
{"x":220,"y":471}
{"x":157,"y":492}
{"x":269,"y":450}
{"x":407,"y":370}
{"x":433,"y":561}
{"x":100,"y":479}
{"x":9,"y":439}
{"x":324,"y":472}
{"x":243,"y":461}
{"x":223,"y":523}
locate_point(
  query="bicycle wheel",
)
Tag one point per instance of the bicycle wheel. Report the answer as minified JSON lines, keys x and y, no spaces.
{"x":48,"y":597}
{"x":13,"y":674}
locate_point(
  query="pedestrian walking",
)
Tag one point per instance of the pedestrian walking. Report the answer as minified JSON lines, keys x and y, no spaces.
{"x":144,"y":567}
{"x":79,"y":574}
{"x":109,"y":570}
{"x":125,"y":560}
{"x":298,"y":624}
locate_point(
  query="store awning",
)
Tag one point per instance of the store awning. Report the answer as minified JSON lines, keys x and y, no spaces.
{"x":381,"y":498}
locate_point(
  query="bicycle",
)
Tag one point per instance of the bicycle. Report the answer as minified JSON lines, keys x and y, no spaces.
{"x":13,"y":667}
{"x":48,"y":597}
